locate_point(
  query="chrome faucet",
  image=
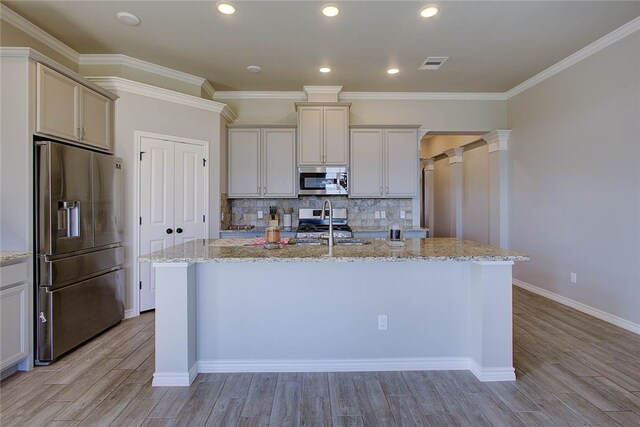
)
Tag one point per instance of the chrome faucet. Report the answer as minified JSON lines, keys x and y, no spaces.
{"x":324,"y":216}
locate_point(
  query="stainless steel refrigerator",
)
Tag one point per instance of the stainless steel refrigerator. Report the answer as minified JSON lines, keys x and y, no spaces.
{"x":79,"y":278}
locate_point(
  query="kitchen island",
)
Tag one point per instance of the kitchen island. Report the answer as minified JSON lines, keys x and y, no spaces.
{"x":445,"y":304}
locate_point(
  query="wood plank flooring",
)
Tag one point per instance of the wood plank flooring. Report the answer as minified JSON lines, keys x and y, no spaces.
{"x":572,"y":370}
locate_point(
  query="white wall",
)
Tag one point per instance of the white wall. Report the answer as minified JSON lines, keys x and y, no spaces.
{"x":575,"y":181}
{"x":461,"y":116}
{"x":141,"y":113}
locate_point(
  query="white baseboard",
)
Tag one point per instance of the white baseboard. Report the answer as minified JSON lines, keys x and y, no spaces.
{"x":175,"y":379}
{"x":128,"y":314}
{"x":339,"y":365}
{"x":492,"y":374}
{"x":602,"y":315}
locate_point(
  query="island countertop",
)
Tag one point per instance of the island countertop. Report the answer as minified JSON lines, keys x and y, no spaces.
{"x":433,"y":249}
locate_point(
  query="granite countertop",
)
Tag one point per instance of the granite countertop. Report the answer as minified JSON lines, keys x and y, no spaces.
{"x":436,"y":249}
{"x":6,"y":256}
{"x":385,"y":229}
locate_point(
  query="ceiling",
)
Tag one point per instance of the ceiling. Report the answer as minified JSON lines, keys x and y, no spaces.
{"x":493,"y":45}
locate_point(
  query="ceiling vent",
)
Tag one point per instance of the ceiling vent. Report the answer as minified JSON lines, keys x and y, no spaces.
{"x":433,"y":63}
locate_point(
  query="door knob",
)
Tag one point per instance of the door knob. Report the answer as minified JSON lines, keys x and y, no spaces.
{"x":178,"y":230}
{"x":169,"y":231}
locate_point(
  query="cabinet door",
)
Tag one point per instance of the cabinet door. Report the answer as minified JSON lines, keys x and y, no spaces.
{"x":244,"y":163}
{"x":14,"y":325}
{"x":279,"y":163}
{"x":401,"y":166}
{"x":56,"y":99}
{"x":336,"y":136}
{"x":365,"y":179}
{"x":310,"y":133}
{"x":95,"y":113}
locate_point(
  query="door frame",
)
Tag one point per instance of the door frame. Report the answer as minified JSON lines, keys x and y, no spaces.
{"x":138,"y":135}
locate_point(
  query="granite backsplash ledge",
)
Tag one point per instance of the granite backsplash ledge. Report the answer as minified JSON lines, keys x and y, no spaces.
{"x":361,"y":211}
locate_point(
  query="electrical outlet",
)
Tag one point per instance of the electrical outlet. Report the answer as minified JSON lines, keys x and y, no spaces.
{"x":382,"y":322}
{"x":383,"y":214}
{"x":221,"y":216}
{"x":403,"y":214}
{"x":260,"y":215}
{"x":376,"y":214}
{"x":574,"y":278}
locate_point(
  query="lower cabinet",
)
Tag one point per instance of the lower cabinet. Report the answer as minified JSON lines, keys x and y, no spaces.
{"x":384,"y":162}
{"x":262,"y":162}
{"x":15,"y":312}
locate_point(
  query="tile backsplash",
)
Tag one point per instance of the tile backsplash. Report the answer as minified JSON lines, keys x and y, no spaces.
{"x":361,"y":211}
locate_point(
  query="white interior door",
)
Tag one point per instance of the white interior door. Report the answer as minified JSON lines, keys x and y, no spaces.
{"x":172,"y":202}
{"x":189,"y":193}
{"x":156,"y":209}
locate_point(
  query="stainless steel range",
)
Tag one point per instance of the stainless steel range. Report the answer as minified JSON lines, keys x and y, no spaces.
{"x":312,"y":226}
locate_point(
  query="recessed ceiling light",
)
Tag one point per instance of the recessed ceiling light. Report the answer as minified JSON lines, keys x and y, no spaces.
{"x":225,"y":7}
{"x":330,"y":10}
{"x":393,"y":71}
{"x":428,"y":11}
{"x":254,"y":68}
{"x":325,"y":70}
{"x":128,"y":18}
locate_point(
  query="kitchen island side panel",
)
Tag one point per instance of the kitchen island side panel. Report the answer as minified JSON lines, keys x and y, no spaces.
{"x":318,"y":311}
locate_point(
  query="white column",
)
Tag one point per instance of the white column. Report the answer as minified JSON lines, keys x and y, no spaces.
{"x":491,"y":321}
{"x":175,"y":324}
{"x":497,"y":141}
{"x":429,"y":199}
{"x":455,"y":188}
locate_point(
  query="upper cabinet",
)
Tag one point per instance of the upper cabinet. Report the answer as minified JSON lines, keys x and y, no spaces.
{"x":67,"y":109}
{"x":384,"y":162}
{"x":323,"y":134}
{"x":262,"y":162}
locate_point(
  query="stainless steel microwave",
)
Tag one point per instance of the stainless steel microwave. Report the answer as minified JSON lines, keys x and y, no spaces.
{"x":323,"y":180}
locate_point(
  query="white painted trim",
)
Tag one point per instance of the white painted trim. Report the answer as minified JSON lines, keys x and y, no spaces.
{"x":336,"y":365}
{"x":240,"y":94}
{"x":498,"y":140}
{"x":37,"y":33}
{"x":175,"y":379}
{"x":492,"y":374}
{"x":493,"y":262}
{"x":139,"y":64}
{"x":424,"y":96}
{"x":454,"y":155}
{"x":607,"y":40}
{"x":599,"y":314}
{"x":128,"y":314}
{"x":322,"y":89}
{"x":208,"y":88}
{"x":118,"y":84}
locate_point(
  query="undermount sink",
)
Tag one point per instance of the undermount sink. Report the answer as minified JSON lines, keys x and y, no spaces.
{"x":336,"y":241}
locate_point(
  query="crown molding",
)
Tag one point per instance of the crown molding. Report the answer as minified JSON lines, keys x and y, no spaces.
{"x":139,"y":64}
{"x":614,"y":36}
{"x":424,"y":96}
{"x":208,"y":88}
{"x":118,"y":84}
{"x":240,"y":94}
{"x":21,"y":23}
{"x":334,"y":90}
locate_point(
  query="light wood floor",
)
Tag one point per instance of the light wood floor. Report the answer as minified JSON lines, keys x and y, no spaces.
{"x":572,"y":370}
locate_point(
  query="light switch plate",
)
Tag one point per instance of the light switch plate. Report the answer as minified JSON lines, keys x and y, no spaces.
{"x":376,"y":214}
{"x":260,"y":216}
{"x":383,"y":214}
{"x":403,"y":214}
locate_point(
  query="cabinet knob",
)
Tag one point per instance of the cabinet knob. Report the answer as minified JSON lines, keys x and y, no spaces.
{"x":178,"y":230}
{"x":169,"y":231}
